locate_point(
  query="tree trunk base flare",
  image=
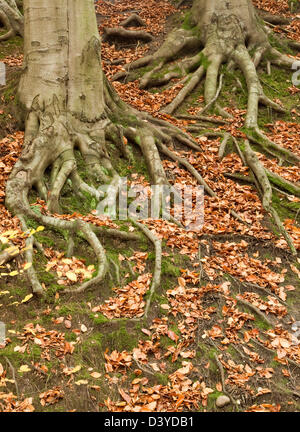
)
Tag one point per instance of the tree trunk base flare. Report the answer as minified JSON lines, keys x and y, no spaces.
{"x":11,"y":18}
{"x":217,"y":33}
{"x":71,"y":106}
{"x":222,"y":32}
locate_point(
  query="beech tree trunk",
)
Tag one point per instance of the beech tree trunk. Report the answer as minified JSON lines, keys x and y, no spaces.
{"x":62,"y":57}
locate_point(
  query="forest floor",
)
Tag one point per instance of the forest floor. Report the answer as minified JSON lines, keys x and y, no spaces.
{"x":221,"y":321}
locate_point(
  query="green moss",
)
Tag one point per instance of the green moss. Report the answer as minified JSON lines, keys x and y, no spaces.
{"x":169,"y":268}
{"x":162,"y":378}
{"x":120,"y":340}
{"x":211,"y":401}
{"x":165,"y":342}
{"x":45,"y":240}
{"x":100,"y":319}
{"x":96,"y":339}
{"x":262,"y":325}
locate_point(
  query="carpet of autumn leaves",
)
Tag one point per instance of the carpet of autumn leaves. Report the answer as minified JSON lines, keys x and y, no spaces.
{"x":232,"y":302}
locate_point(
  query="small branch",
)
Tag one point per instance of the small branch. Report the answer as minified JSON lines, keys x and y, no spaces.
{"x":13,"y":372}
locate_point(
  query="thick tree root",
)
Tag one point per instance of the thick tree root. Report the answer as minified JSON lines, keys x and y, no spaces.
{"x":175,"y":43}
{"x":54,"y":130}
{"x":123,"y":34}
{"x":50,"y":142}
{"x":273,"y":19}
{"x":193,"y":82}
{"x":226,"y":38}
{"x":258,"y":137}
{"x":11,"y":18}
{"x":133,"y":20}
{"x":6,"y":23}
{"x":157,"y":268}
{"x":9,"y":254}
{"x":265,"y":189}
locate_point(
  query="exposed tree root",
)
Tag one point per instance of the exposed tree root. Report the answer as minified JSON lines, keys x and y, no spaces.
{"x":273,"y":19}
{"x":55,"y":130}
{"x":256,"y":310}
{"x":9,"y":254}
{"x":291,"y":361}
{"x":157,"y":268}
{"x":259,"y":288}
{"x":187,"y":89}
{"x":133,"y":20}
{"x":51,"y":138}
{"x":11,"y":18}
{"x":201,"y":118}
{"x":223,"y":145}
{"x":221,"y":369}
{"x":6,"y":23}
{"x":227,"y":35}
{"x":258,"y":137}
{"x":265,"y":189}
{"x":121,"y":33}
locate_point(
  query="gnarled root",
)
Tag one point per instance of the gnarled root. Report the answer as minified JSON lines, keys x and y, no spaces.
{"x":265,"y":189}
{"x":157,"y":268}
{"x":133,"y":20}
{"x":121,"y":33}
{"x":175,"y":43}
{"x":11,"y":18}
{"x":52,"y":136}
{"x":227,"y":37}
{"x":6,"y":23}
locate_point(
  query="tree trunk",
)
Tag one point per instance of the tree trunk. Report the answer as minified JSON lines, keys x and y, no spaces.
{"x":235,"y":19}
{"x":62,"y":58}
